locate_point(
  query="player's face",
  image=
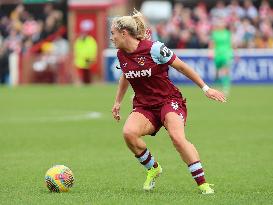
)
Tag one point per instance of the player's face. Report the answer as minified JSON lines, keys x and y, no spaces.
{"x":116,"y":37}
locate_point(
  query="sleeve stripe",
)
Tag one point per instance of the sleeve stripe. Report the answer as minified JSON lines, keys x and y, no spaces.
{"x":172,"y":59}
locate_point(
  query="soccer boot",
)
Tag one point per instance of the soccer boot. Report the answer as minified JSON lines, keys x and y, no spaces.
{"x":152,"y":174}
{"x":206,"y":188}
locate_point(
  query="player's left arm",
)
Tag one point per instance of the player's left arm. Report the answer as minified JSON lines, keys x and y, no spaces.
{"x":186,"y":70}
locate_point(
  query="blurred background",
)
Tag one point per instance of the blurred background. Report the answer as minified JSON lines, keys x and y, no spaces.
{"x":42,"y":40}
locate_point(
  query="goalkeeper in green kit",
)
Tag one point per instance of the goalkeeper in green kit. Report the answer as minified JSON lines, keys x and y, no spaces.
{"x":221,"y":42}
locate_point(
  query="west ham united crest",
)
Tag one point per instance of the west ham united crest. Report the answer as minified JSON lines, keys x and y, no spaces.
{"x":141,"y":61}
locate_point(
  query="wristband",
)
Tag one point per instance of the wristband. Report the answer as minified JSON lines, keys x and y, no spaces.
{"x":205,"y":88}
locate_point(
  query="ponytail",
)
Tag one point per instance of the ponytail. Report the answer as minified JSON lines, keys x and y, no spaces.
{"x":134,"y":24}
{"x":141,"y":26}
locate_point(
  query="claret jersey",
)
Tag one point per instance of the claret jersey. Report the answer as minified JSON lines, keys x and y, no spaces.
{"x":146,"y":69}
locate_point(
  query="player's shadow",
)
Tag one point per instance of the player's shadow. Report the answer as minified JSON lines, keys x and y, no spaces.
{"x":158,"y":190}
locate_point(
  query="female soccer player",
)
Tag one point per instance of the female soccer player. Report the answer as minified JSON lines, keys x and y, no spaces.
{"x":157,"y":102}
{"x":221,"y":42}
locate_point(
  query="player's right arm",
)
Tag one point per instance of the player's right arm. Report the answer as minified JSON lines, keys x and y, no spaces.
{"x":122,"y":88}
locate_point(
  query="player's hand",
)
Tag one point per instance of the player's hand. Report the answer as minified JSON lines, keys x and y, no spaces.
{"x":115,"y":111}
{"x":216,"y":95}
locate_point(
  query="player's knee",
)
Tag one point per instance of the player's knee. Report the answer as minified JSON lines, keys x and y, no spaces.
{"x":129,"y":134}
{"x":178,"y":140}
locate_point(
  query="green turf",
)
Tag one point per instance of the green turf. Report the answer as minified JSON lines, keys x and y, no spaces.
{"x":45,"y":125}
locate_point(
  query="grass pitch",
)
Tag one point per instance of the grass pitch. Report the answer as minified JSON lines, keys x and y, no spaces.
{"x":41,"y":126}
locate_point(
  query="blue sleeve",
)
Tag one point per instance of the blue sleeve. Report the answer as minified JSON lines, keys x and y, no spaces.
{"x":161,"y":54}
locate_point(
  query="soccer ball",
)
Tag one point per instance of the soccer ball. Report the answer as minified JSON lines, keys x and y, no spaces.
{"x":59,"y":178}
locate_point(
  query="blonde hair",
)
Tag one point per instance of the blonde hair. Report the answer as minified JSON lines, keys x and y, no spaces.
{"x":134,"y":24}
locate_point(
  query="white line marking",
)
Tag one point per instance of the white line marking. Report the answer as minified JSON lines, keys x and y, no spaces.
{"x":86,"y":116}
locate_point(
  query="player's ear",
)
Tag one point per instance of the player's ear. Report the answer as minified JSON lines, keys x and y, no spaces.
{"x":123,"y":33}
